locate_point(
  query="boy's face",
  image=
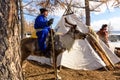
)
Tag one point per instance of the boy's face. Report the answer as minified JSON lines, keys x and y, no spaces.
{"x":45,"y":13}
{"x":104,"y":29}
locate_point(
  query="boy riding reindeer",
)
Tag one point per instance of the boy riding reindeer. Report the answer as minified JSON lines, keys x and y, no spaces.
{"x":42,"y":26}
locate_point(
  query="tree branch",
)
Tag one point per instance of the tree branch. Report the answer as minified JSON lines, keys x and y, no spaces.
{"x":28,"y":3}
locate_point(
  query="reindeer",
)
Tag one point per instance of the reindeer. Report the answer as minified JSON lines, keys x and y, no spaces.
{"x":29,"y":46}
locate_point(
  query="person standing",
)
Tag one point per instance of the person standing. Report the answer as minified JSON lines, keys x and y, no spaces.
{"x":103,"y":34}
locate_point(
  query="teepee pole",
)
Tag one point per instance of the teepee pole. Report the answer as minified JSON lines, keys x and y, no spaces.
{"x":68,"y":8}
{"x":53,"y":55}
{"x":101,"y":52}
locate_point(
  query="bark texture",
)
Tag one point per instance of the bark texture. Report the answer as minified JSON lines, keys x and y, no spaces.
{"x":10,"y":68}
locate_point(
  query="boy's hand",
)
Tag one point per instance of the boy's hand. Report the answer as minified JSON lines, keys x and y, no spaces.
{"x":50,"y":21}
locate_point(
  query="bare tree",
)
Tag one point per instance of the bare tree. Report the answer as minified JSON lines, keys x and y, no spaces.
{"x":116,"y":3}
{"x":55,"y":4}
{"x":10,"y":68}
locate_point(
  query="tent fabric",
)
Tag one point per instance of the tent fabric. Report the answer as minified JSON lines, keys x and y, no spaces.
{"x":81,"y":56}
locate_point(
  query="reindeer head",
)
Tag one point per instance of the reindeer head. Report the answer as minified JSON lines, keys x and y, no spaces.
{"x":76,"y":34}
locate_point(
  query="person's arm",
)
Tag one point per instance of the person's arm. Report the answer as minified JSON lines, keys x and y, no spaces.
{"x":106,"y":38}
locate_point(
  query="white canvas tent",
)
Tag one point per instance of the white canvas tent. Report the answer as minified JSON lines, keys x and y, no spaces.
{"x":81,"y":56}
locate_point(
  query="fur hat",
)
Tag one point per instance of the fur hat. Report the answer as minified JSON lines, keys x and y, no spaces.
{"x":42,"y":10}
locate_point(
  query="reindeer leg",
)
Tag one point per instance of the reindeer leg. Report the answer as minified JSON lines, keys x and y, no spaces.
{"x":56,"y":70}
{"x":59,"y":68}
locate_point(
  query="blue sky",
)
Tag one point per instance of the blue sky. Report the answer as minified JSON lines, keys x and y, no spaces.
{"x":106,"y":15}
{"x":111,"y":18}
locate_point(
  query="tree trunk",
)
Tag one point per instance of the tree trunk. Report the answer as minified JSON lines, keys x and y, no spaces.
{"x":87,"y":11}
{"x":10,"y":68}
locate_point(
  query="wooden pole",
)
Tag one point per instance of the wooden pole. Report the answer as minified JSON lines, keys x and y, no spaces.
{"x":101,"y":52}
{"x":54,"y":56}
{"x":87,"y":11}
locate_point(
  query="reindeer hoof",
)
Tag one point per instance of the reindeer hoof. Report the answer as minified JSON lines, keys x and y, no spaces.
{"x":58,"y":70}
{"x":58,"y":77}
